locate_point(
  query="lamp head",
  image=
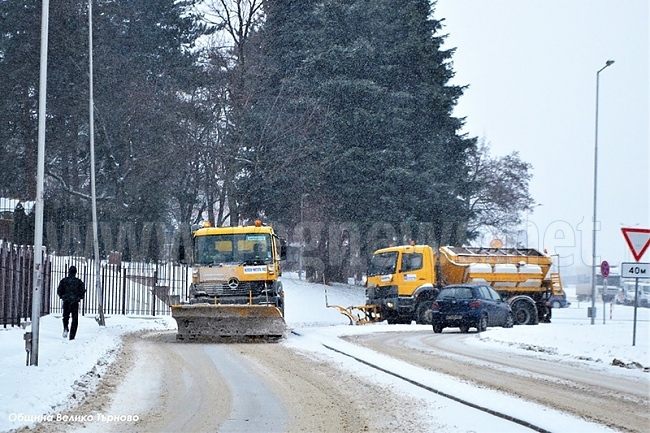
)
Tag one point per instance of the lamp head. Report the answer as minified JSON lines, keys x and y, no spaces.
{"x":609,"y":63}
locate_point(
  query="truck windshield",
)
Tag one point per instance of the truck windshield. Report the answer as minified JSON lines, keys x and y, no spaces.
{"x":246,"y":249}
{"x":383,"y":264}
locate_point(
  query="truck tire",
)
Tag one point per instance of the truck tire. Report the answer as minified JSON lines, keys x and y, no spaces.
{"x":437,"y":328}
{"x":398,"y":319}
{"x":525,"y":313}
{"x":423,"y":312}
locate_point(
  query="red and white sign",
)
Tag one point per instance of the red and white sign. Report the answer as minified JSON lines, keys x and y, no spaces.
{"x":638,"y":240}
{"x":604,"y":269}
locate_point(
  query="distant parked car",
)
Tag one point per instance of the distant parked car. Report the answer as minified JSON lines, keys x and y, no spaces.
{"x":625,"y":296}
{"x":470,"y":306}
{"x":559,"y":302}
{"x":644,"y":295}
{"x":643,"y":298}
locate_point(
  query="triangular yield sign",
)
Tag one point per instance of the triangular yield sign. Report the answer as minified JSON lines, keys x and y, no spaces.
{"x":638,"y":240}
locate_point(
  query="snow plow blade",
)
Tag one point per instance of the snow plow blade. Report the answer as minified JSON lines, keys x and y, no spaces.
{"x":359,"y":315}
{"x":228,"y":323}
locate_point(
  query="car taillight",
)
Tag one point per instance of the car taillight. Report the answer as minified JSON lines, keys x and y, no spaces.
{"x":435,"y":306}
{"x":475,"y":304}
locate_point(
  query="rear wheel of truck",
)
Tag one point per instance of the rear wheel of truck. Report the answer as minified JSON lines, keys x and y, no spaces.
{"x":437,"y":328}
{"x":525,"y":313}
{"x":464,"y":329}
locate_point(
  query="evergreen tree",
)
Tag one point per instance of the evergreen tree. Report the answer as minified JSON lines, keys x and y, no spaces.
{"x":384,"y":144}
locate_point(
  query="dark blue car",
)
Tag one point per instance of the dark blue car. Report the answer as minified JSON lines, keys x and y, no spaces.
{"x":467,"y":306}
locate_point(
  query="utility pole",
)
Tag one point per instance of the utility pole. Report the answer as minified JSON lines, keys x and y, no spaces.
{"x":91,"y":123}
{"x":37,"y":293}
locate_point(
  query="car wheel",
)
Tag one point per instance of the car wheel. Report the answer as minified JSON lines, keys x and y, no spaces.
{"x":556,"y":304}
{"x":437,"y":328}
{"x":464,"y":329}
{"x":510,"y":321}
{"x":481,"y":326}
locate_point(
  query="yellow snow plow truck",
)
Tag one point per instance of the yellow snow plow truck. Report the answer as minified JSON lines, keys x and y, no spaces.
{"x":403,"y":281}
{"x":236,"y":292}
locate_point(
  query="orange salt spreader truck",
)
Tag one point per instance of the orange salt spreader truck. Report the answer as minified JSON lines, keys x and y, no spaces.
{"x":403,"y":281}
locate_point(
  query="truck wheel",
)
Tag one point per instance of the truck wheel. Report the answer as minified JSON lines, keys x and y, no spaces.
{"x":464,"y":329}
{"x":437,"y":328}
{"x":423,"y":313}
{"x":481,"y":326}
{"x":524,"y":313}
{"x":396,"y":319}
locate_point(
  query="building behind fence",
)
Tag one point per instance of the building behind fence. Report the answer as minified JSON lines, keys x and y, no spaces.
{"x":16,"y":283}
{"x":128,"y":288}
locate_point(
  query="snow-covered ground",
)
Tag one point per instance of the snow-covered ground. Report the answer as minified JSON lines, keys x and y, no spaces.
{"x":68,"y":370}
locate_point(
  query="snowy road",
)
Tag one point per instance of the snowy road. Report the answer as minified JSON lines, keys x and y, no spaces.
{"x":276,"y":388}
{"x":564,"y":386}
{"x":241,"y":388}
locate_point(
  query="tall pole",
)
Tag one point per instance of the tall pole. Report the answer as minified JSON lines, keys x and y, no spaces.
{"x":593,"y":239}
{"x":91,"y":132}
{"x":40,"y":177}
{"x":302,"y":235}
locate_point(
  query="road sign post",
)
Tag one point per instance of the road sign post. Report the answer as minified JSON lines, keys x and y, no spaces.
{"x":639,"y":241}
{"x":604,"y":272}
{"x":637,"y":271}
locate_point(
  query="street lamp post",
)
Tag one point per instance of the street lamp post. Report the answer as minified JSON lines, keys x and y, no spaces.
{"x":593,"y":240}
{"x":302,"y":234}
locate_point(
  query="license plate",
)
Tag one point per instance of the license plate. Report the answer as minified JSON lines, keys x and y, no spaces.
{"x":454,"y":317}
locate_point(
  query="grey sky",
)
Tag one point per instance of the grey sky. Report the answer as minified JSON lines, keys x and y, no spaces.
{"x":531,"y":66}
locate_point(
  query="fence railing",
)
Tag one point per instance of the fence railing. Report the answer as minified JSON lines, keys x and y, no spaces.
{"x":16,"y":283}
{"x":128,"y":288}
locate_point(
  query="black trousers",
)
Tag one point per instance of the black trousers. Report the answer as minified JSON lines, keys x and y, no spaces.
{"x":71,"y":309}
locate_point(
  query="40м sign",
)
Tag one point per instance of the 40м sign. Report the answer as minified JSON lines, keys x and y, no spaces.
{"x":635,"y":270}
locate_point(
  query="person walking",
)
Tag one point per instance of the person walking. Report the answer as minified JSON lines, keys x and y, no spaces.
{"x":71,"y":290}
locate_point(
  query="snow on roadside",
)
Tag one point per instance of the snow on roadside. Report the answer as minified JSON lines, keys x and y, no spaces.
{"x":67,"y":370}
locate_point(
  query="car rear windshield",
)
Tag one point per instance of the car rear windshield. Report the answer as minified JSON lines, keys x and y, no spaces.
{"x":456,"y":293}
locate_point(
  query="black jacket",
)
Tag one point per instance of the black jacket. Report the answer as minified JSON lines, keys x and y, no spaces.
{"x":71,"y":289}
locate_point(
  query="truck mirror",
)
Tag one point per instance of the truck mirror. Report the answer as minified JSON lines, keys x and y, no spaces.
{"x":183,"y":258}
{"x":283,"y":249}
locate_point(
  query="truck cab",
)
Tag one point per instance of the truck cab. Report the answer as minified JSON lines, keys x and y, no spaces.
{"x":237,"y":265}
{"x":401,"y":283}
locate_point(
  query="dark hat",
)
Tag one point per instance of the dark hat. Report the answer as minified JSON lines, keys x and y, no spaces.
{"x":72,"y":270}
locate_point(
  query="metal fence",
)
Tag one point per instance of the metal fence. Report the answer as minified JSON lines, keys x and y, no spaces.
{"x":128,"y":288}
{"x":16,"y":283}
